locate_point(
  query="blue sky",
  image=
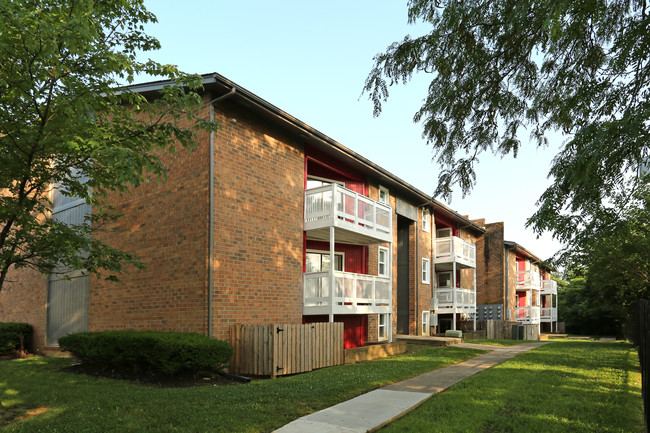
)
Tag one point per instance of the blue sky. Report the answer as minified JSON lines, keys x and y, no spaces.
{"x":311,"y":60}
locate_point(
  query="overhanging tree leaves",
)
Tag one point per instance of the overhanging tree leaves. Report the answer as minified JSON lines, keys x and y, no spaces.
{"x":499,"y":67}
{"x":64,"y":122}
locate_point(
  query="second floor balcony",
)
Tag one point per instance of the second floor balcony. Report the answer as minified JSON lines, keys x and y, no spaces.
{"x":548,"y":314}
{"x":549,"y":287}
{"x":528,"y":280}
{"x":454,"y":300}
{"x":528,"y":315}
{"x":356,"y":218}
{"x":454,"y":249}
{"x":346,"y":293}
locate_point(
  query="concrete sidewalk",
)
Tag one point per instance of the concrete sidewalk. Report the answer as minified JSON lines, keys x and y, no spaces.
{"x":372,"y":410}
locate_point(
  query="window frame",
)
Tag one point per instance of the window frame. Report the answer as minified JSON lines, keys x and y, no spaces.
{"x":386,"y":272}
{"x":426,"y":220}
{"x":326,"y":253}
{"x":382,"y":329}
{"x":384,"y":190}
{"x":426,"y":270}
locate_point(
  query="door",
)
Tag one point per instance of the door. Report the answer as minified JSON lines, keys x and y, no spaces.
{"x":403,"y":269}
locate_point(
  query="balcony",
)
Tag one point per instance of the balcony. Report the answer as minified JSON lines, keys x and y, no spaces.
{"x":454,"y":249}
{"x":352,"y":294}
{"x":528,"y":280}
{"x":548,"y":315}
{"x":528,"y":315}
{"x":454,"y":300}
{"x":549,"y":287}
{"x":355,"y":218}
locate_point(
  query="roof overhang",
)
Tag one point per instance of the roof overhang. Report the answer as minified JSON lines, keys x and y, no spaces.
{"x":218,"y":86}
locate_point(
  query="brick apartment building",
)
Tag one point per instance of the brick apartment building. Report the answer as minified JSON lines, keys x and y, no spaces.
{"x":513,"y":284}
{"x":244,"y":230}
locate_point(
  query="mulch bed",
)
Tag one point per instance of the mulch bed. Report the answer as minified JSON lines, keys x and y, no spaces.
{"x":150,"y":380}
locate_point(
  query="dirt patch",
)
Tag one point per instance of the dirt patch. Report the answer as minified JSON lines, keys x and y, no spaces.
{"x":150,"y":380}
{"x":10,"y":415}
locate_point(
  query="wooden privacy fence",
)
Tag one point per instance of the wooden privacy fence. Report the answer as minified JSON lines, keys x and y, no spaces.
{"x":275,"y":350}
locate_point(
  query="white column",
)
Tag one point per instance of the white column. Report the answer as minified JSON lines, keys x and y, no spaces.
{"x":453,"y":289}
{"x":332,"y":236}
{"x":475,"y":296}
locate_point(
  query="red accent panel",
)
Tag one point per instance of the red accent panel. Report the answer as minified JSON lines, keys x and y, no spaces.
{"x":322,"y":165}
{"x":355,"y":256}
{"x":442,"y":222}
{"x":355,"y":327}
{"x":521,"y":299}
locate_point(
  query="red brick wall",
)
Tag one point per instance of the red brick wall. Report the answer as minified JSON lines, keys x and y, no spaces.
{"x":259,"y":196}
{"x":166,"y":226}
{"x":490,"y":266}
{"x":23,"y":299}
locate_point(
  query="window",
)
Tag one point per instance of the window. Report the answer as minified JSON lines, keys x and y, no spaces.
{"x":425,"y":220}
{"x":319,"y":261}
{"x":443,"y":232}
{"x":426,"y":267}
{"x":382,"y":327}
{"x":425,"y":323}
{"x":315,"y":182}
{"x":384,"y":197}
{"x":383,"y":262}
{"x":444,"y":279}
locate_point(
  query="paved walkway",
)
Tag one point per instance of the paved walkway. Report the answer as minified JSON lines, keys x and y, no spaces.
{"x":372,"y":410}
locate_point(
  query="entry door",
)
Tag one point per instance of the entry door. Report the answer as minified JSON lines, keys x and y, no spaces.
{"x":403,"y":276}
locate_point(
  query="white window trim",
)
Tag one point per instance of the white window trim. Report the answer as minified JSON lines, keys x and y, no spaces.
{"x":451,"y":232}
{"x":426,"y":271}
{"x":385,"y":190}
{"x":426,"y":220}
{"x":426,"y":322}
{"x":327,"y":253}
{"x":387,"y":264}
{"x":384,"y":327}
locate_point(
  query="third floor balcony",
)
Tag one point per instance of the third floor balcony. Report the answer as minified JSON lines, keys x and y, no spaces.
{"x":453,"y":249}
{"x":356,"y":218}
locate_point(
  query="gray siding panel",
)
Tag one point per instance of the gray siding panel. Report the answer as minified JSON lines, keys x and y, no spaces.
{"x":67,"y":310}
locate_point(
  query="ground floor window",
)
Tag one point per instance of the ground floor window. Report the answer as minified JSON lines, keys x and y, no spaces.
{"x":425,"y":322}
{"x":382,"y":326}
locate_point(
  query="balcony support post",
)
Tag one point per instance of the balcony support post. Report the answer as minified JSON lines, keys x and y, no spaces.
{"x":332,"y":282}
{"x":475,"y":300}
{"x":453,"y":290}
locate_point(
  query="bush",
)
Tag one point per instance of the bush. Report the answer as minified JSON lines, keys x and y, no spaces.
{"x":149,"y":352}
{"x":15,"y":336}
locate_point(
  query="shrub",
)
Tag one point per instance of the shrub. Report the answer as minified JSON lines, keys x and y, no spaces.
{"x":15,"y":336}
{"x":149,"y":352}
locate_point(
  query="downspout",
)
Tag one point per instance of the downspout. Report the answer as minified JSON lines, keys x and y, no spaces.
{"x":506,"y":310}
{"x":418,"y":277}
{"x":211,"y":217}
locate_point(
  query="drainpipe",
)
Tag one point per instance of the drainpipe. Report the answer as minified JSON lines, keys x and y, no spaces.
{"x":418,"y":331}
{"x":506,"y":311}
{"x":211,"y":217}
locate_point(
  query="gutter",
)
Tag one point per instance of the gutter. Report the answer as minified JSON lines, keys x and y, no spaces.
{"x":211,"y":217}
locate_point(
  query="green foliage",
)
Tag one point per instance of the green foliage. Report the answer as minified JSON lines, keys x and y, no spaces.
{"x":15,"y":336}
{"x":503,"y":66}
{"x":65,"y":121}
{"x":149,"y":352}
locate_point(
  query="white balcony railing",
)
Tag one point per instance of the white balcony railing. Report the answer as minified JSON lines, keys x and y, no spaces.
{"x":335,"y":205}
{"x":528,"y":315}
{"x":528,"y":280}
{"x":548,"y":314}
{"x":452,"y":249}
{"x":549,"y":287}
{"x":353,"y":293}
{"x":454,"y":300}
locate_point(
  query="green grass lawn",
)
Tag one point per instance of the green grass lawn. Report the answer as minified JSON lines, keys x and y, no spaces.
{"x":77,"y":403}
{"x":570,"y":386}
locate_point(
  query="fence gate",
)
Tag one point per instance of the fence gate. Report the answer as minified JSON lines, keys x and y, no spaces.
{"x":275,"y":350}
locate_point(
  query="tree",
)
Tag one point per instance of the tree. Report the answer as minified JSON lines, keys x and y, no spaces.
{"x":65,"y":122}
{"x":500,"y":66}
